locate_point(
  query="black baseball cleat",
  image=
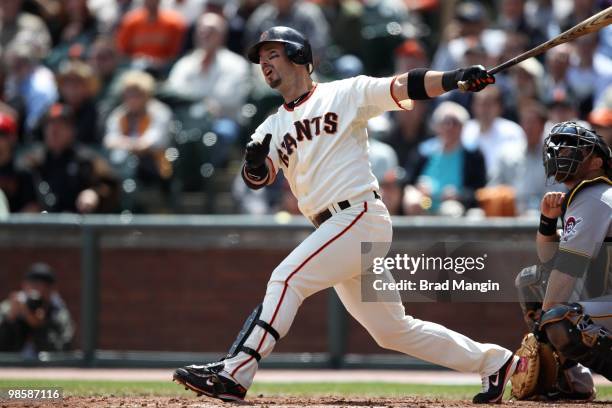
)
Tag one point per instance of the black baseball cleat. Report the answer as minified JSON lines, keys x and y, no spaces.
{"x":206,"y":380}
{"x":494,"y":385}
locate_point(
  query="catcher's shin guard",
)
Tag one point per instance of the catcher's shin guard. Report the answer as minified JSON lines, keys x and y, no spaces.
{"x":576,"y":337}
{"x":251,"y":322}
{"x":530,"y":284}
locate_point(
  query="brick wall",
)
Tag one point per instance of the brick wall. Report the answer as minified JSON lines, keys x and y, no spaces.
{"x":196,"y":300}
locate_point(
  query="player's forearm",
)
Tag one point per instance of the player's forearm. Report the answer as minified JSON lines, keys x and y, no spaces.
{"x":559,"y":290}
{"x":546,"y":246}
{"x":421,"y":83}
{"x":547,"y":235}
{"x":432,"y":85}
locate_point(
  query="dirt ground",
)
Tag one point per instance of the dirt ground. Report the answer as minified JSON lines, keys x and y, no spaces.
{"x":280,"y":402}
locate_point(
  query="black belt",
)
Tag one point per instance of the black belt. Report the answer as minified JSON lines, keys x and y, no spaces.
{"x":325,"y":215}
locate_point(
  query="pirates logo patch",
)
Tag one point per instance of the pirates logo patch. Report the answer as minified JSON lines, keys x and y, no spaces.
{"x":571,"y":226}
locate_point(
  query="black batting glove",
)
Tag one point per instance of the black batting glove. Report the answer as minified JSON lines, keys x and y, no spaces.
{"x":257,"y":152}
{"x":475,"y":78}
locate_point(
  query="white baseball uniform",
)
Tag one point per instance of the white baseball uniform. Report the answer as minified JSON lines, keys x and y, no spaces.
{"x":321,"y":144}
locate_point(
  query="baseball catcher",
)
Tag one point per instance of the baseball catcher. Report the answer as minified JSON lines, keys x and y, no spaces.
{"x":567,"y":299}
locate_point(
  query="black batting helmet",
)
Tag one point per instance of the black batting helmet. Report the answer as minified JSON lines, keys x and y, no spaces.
{"x":296,"y":45}
{"x":568,"y":144}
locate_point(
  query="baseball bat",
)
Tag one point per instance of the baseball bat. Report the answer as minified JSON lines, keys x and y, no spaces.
{"x":591,"y":24}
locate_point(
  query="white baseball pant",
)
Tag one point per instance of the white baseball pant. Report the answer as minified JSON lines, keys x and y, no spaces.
{"x":330,"y":256}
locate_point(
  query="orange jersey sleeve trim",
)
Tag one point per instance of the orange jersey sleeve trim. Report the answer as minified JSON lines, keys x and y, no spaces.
{"x":397,"y":101}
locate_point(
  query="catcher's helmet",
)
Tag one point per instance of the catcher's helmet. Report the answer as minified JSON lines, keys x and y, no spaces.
{"x":296,"y":45}
{"x":569,"y":144}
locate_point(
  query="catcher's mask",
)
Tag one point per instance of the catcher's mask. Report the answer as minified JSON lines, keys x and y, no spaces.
{"x":297,"y":47}
{"x":569,"y":144}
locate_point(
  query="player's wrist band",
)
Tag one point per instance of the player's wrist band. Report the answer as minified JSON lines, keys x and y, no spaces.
{"x":257,"y":177}
{"x":450,"y":79}
{"x":548,"y":226}
{"x":416,"y":84}
{"x":256,"y":173}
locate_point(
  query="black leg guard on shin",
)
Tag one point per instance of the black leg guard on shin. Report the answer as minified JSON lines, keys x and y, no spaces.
{"x":251,"y":322}
{"x":531,"y":287}
{"x":576,"y":337}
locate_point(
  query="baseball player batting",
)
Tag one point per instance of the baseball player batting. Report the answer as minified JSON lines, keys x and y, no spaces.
{"x":318,"y":138}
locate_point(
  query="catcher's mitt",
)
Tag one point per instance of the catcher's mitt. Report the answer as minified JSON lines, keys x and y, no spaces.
{"x":536,"y":372}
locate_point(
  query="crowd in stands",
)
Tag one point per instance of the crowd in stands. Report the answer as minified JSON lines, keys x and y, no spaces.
{"x":111,"y":106}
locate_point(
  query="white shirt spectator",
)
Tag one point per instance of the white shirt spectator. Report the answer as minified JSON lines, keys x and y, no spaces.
{"x":224,"y":82}
{"x":524,"y":171}
{"x":157,"y":131}
{"x":503,"y":135}
{"x":38,"y":91}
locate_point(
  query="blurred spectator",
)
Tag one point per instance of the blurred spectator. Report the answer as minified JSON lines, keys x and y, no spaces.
{"x":301,"y":15}
{"x":602,"y":60}
{"x":584,"y":79}
{"x":385,"y":24}
{"x":515,"y":44}
{"x":561,"y":108}
{"x":30,"y":87}
{"x":382,"y":157}
{"x":18,"y":26}
{"x":449,"y":171}
{"x":582,"y":9}
{"x":151,"y":37}
{"x":513,"y":18}
{"x":392,"y":188}
{"x":77,"y":34}
{"x":16,"y":184}
{"x":70,"y":177}
{"x":35,"y":318}
{"x":3,"y":104}
{"x":522,"y":169}
{"x":526,"y":80}
{"x":237,"y":24}
{"x":78,"y":86}
{"x":190,"y":10}
{"x":601,"y":117}
{"x":557,"y":66}
{"x":488,"y":131}
{"x":344,"y":18}
{"x":137,"y":131}
{"x":541,"y":13}
{"x":469,"y":27}
{"x":108,"y":13}
{"x":211,"y":72}
{"x":104,"y":60}
{"x":50,"y":11}
{"x":409,"y":127}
